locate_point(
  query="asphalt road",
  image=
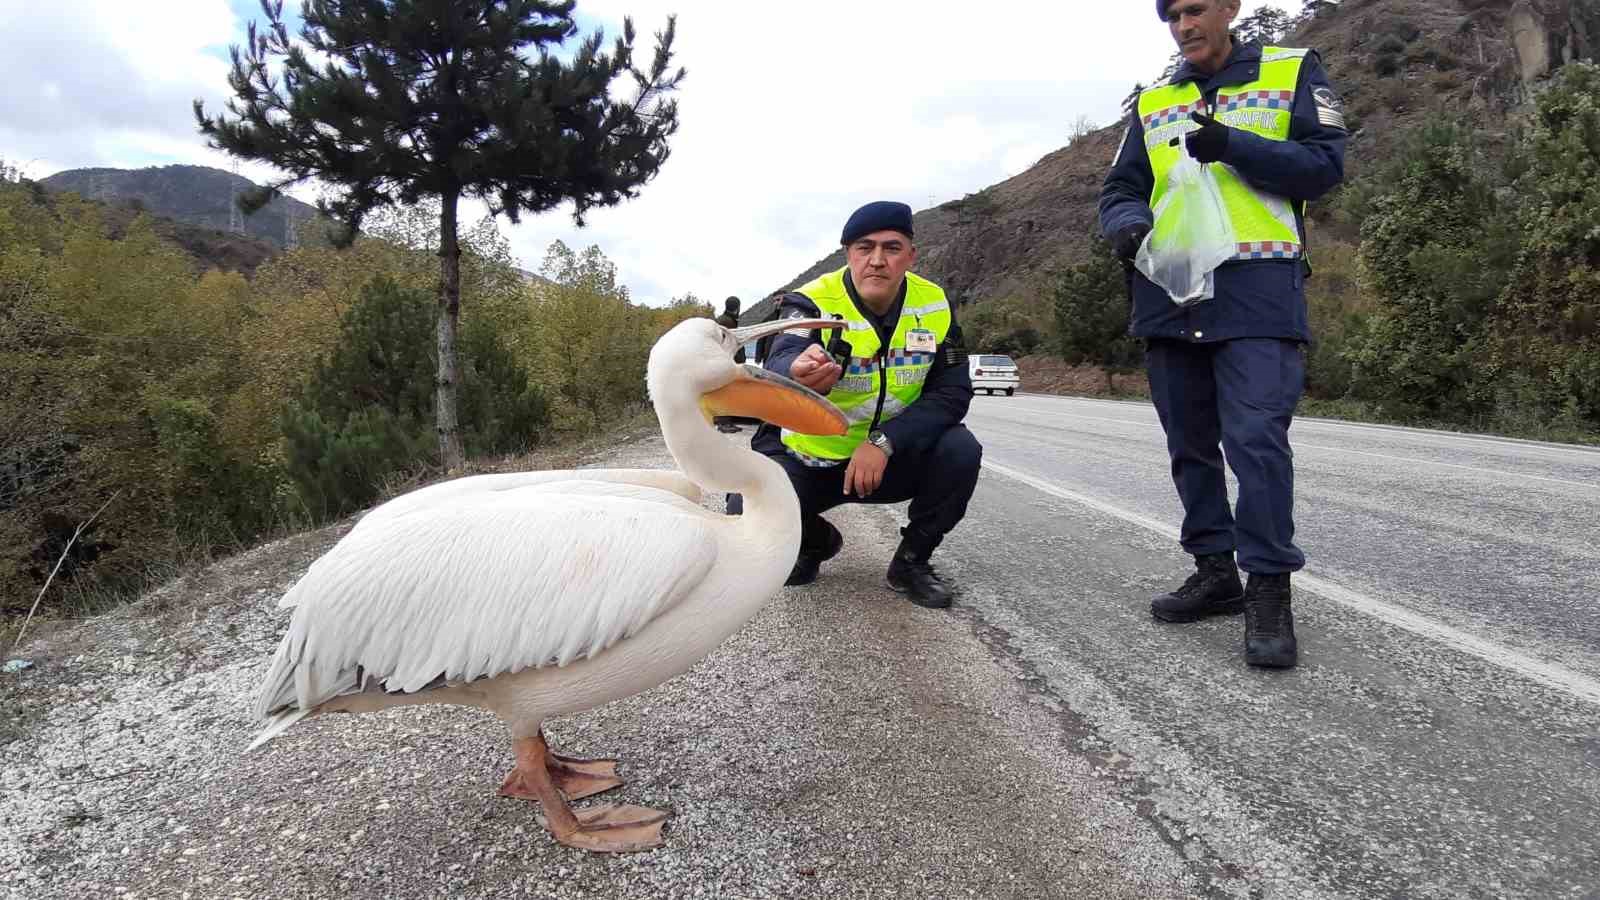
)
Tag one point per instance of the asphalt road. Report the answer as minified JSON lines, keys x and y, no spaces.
{"x":1441,"y":737}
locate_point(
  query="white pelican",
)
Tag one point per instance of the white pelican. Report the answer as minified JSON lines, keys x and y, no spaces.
{"x":540,"y":594}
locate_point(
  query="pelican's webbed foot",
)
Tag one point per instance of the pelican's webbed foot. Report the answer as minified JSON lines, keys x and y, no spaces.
{"x":552,"y":780}
{"x":575,"y":778}
{"x":615,"y":828}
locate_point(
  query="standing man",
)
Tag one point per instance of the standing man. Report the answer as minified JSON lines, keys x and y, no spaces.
{"x":1230,"y":370}
{"x":897,"y":369}
{"x":730,"y":320}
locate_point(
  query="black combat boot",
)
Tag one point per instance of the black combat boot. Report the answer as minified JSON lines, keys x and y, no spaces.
{"x":1269,"y":623}
{"x":1213,"y":590}
{"x":819,"y":542}
{"x":910,"y":574}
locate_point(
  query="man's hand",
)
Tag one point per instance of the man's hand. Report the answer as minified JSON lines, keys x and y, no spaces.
{"x":1125,"y":243}
{"x":1209,"y":143}
{"x":815,"y":369}
{"x":865,"y":471}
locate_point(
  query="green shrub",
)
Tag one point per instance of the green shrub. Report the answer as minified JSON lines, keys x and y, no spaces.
{"x":367,"y":412}
{"x":339,"y":467}
{"x":1389,"y":45}
{"x":501,"y":410}
{"x":217,"y":499}
{"x":1547,"y":331}
{"x":1091,"y":306}
{"x":1434,"y":255}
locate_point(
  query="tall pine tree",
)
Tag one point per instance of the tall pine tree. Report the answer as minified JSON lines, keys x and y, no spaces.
{"x":447,"y":99}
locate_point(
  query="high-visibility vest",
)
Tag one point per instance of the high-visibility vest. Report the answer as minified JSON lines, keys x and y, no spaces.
{"x":873,"y":370}
{"x":1265,"y":223}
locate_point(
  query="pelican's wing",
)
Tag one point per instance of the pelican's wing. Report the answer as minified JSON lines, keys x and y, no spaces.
{"x":473,"y":487}
{"x":534,"y":576}
{"x":461,"y":489}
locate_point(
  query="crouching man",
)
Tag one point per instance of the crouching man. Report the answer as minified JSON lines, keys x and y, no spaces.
{"x":897,"y":369}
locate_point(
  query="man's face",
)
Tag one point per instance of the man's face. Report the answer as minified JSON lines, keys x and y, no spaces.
{"x":878,"y":264}
{"x":1200,"y":29}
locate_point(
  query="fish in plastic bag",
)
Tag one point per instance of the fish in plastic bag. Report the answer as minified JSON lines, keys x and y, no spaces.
{"x":1193,"y":234}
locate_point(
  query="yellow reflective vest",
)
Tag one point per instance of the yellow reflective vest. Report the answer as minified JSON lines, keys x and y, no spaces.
{"x":1265,"y":223}
{"x":879,"y":382}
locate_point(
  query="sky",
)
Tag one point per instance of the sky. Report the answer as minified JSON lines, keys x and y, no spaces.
{"x":792,"y":114}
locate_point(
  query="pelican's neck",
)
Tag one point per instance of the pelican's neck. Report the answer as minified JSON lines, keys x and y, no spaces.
{"x":711,"y":460}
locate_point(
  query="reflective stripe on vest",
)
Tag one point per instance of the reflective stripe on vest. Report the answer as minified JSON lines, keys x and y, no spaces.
{"x":870,"y":363}
{"x":1265,"y":223}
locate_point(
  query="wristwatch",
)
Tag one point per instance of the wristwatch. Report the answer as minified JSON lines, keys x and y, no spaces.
{"x":880,"y":440}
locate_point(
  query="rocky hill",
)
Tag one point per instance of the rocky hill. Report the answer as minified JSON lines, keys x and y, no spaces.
{"x":1394,"y":62}
{"x":197,"y":195}
{"x":210,"y":248}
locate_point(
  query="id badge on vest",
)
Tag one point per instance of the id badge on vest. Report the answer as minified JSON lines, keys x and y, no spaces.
{"x":921,"y":340}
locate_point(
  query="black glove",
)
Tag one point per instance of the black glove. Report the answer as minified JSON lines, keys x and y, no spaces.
{"x":1125,"y":243}
{"x":1209,"y":143}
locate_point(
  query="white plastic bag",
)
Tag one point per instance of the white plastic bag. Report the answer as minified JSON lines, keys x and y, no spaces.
{"x":1184,"y":248}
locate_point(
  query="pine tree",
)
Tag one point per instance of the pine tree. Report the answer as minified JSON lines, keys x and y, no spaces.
{"x":447,"y":99}
{"x":1266,"y":25}
{"x":1091,"y":306}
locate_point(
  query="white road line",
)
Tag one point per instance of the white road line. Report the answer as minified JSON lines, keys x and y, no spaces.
{"x":1432,"y":435}
{"x":1547,"y":673}
{"x":1431,"y":462}
{"x":1300,"y":445}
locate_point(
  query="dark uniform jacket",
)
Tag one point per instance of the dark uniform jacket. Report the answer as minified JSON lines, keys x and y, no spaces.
{"x":1257,"y":298}
{"x":945,"y":395}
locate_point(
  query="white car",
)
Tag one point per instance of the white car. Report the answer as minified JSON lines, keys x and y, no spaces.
{"x":993,"y":373}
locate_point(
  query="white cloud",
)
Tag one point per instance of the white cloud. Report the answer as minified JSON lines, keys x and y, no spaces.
{"x":792,"y":115}
{"x":85,"y":80}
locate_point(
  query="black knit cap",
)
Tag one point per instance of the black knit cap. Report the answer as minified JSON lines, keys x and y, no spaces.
{"x":879,"y":215}
{"x":1161,"y":9}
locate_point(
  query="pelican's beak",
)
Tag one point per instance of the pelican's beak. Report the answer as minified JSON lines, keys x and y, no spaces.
{"x":745,"y":335}
{"x":770,"y":397}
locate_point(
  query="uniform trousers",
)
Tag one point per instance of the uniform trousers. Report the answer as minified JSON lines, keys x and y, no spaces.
{"x":938,"y":480}
{"x":1232,"y":399}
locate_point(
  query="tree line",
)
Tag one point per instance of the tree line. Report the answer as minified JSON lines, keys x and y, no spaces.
{"x":216,"y":410}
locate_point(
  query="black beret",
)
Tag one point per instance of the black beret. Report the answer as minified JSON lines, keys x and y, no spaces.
{"x":879,"y":215}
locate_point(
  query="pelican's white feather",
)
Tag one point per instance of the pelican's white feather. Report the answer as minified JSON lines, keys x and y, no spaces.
{"x":462,"y":489}
{"x":488,"y":581}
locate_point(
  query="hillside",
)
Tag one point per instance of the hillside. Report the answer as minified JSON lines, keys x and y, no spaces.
{"x":1393,"y":61}
{"x":210,"y":248}
{"x":196,"y":195}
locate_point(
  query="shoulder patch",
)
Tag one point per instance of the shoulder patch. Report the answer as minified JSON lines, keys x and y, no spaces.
{"x":1330,"y":110}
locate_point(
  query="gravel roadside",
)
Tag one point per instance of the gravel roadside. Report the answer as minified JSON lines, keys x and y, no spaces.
{"x":843,"y":744}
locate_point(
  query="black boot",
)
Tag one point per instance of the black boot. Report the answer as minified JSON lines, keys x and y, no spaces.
{"x":910,"y":574}
{"x":1269,"y":623}
{"x":1213,"y":590}
{"x":819,"y":543}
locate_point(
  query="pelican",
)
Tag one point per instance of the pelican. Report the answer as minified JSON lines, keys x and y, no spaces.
{"x":540,"y":594}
